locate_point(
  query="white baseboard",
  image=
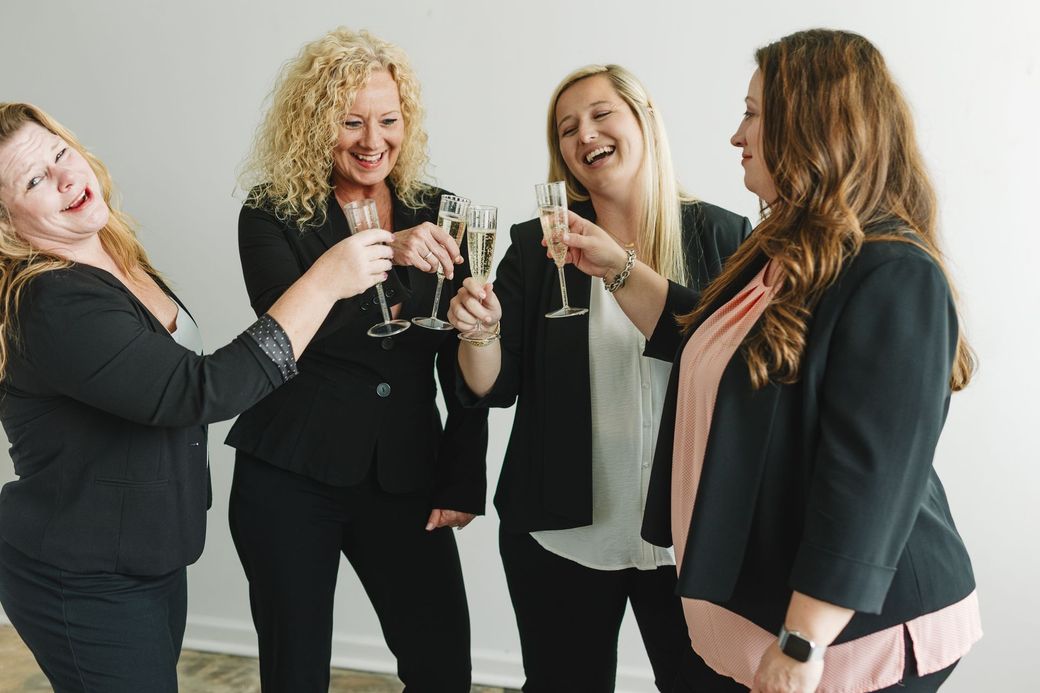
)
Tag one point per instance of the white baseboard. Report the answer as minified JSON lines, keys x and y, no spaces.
{"x":490,"y":667}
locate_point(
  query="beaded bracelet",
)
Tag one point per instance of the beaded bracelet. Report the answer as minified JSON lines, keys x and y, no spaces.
{"x":619,"y":279}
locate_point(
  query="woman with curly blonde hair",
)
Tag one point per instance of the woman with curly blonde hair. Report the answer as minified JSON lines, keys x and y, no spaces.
{"x":354,"y":459}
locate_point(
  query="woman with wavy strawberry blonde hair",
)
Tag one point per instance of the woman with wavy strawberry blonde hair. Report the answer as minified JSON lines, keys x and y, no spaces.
{"x":105,"y":396}
{"x":815,"y":547}
{"x":354,"y":460}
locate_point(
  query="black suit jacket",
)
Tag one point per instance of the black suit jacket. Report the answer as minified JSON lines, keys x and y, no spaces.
{"x":357,"y":398}
{"x":106,"y":417}
{"x":826,"y":486}
{"x":546,"y":480}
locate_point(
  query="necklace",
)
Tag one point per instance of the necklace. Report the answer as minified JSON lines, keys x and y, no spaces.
{"x":626,"y":246}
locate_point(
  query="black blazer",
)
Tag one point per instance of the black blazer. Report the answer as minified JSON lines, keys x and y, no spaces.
{"x":546,"y":480}
{"x":826,"y":486}
{"x":357,"y":398}
{"x":106,"y":417}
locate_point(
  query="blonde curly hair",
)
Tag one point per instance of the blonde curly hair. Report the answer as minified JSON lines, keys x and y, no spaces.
{"x":289,"y":169}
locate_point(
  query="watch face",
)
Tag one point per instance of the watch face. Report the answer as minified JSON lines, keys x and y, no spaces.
{"x":798,"y":648}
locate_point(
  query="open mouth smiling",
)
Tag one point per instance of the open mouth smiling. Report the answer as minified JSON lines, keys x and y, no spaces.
{"x":598,"y":154}
{"x":78,"y":202}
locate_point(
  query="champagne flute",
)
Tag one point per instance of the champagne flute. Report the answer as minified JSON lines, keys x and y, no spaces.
{"x":362,"y":215}
{"x":482,"y":225}
{"x":552,"y":211}
{"x":451,"y":218}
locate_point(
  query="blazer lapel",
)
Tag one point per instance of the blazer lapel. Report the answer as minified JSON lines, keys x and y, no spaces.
{"x":728,"y":491}
{"x":335,"y":228}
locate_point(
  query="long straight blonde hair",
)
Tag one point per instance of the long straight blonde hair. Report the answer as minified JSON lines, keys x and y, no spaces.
{"x":20,"y":262}
{"x":660,"y":239}
{"x":838,"y":140}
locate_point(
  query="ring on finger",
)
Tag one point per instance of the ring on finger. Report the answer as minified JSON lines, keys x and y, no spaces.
{"x":427,"y":255}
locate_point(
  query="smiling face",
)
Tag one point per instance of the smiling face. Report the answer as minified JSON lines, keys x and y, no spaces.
{"x":370,"y":137}
{"x":50,"y":191}
{"x":748,"y":138}
{"x":599,"y":137}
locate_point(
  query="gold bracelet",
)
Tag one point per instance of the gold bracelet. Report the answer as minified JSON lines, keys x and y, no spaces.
{"x":496,"y":331}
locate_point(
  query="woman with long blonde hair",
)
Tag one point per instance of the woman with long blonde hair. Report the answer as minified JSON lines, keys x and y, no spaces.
{"x":793,"y":474}
{"x":105,"y":396}
{"x":352,"y":459}
{"x":588,"y":404}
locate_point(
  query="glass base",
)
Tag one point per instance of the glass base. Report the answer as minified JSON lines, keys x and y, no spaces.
{"x":432,"y":323}
{"x":385,"y":329}
{"x":567,"y":312}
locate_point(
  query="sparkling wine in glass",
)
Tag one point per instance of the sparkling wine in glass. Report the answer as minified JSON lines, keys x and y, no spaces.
{"x":451,"y":218}
{"x":552,"y":211}
{"x":481,"y":227}
{"x":362,"y":215}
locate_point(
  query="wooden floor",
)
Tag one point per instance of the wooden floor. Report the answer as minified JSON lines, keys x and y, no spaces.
{"x":198,"y":672}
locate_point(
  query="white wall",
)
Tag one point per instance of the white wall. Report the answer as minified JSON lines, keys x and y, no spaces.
{"x":168,"y":94}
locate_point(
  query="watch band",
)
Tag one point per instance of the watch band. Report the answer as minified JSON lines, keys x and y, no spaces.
{"x":798,"y":647}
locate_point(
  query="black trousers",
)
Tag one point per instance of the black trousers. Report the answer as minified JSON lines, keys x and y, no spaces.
{"x":290,"y":530}
{"x":569,"y":617}
{"x":96,"y":632}
{"x":701,"y":677}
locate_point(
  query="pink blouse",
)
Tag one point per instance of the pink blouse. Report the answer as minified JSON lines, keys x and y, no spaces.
{"x":729,"y":643}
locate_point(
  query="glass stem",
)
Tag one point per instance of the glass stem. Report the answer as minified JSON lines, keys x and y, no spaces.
{"x":563,"y":288}
{"x":382,"y":302}
{"x":437,"y":295}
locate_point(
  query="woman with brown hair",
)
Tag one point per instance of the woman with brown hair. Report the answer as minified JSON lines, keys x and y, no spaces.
{"x":105,"y":396}
{"x":811,"y":382}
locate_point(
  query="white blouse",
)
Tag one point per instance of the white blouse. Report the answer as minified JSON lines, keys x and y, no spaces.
{"x":627,"y":397}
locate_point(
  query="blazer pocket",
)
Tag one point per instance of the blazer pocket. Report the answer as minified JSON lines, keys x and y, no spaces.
{"x":126,"y":483}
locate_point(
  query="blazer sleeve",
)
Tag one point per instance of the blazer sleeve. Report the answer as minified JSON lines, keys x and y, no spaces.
{"x":86,"y":341}
{"x":461,"y":482}
{"x":270,"y":265}
{"x":711,"y":235}
{"x":883,"y":401}
{"x":509,"y":287}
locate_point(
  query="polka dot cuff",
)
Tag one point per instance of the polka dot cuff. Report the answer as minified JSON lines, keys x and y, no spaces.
{"x":273,"y":341}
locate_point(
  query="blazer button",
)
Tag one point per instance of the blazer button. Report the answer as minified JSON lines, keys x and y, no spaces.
{"x":390,"y":292}
{"x":387,"y":343}
{"x":364,"y":306}
{"x":383,"y":390}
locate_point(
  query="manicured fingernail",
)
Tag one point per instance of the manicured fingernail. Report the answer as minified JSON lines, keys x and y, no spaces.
{"x":429,"y":526}
{"x":458,"y":260}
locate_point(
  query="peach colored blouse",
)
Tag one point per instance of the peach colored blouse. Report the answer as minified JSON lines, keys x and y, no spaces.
{"x":729,"y":643}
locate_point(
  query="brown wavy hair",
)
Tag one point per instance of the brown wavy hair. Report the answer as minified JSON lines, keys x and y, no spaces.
{"x":839,"y":142}
{"x":20,"y":262}
{"x":660,"y":242}
{"x":291,"y":159}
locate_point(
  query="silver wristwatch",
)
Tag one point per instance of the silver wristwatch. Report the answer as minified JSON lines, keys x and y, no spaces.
{"x":798,"y":647}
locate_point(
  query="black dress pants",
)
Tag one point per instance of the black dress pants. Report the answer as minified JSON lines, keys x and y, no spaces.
{"x":569,"y":617}
{"x":290,"y":530}
{"x":96,"y":632}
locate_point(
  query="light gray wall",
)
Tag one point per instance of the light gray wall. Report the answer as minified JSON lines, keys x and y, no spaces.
{"x":168,"y":94}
